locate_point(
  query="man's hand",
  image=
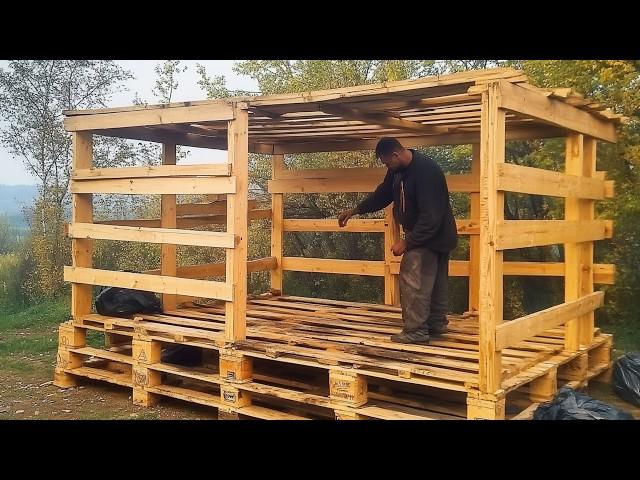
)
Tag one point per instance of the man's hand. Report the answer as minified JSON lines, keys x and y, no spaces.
{"x":344,"y":217}
{"x":399,"y":248}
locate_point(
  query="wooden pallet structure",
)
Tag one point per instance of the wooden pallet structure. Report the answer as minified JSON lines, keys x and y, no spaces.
{"x":276,"y":356}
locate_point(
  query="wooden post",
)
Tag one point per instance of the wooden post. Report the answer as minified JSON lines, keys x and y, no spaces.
{"x":277,"y":217}
{"x":492,"y":150}
{"x":144,"y":353}
{"x":474,"y":240}
{"x":578,"y":257}
{"x":237,"y":211}
{"x":587,"y":321}
{"x":391,"y":235}
{"x":82,"y":212}
{"x":81,"y":256}
{"x":168,"y":220}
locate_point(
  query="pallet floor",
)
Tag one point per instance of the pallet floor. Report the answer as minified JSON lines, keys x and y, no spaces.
{"x":295,"y":344}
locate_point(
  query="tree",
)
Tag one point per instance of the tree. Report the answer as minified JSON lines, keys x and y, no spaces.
{"x":8,"y":236}
{"x":167,"y":79}
{"x":33,"y":95}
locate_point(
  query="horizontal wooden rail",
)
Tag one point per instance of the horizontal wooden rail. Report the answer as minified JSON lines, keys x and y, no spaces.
{"x":465,"y":227}
{"x":153,"y":171}
{"x":602,"y":273}
{"x":324,"y":265}
{"x":532,"y":233}
{"x":152,"y":235}
{"x":514,"y":331}
{"x":218,"y":269}
{"x":186,"y":221}
{"x":358,"y":183}
{"x":156,"y":186}
{"x":536,"y":181}
{"x":220,"y":111}
{"x":150,"y":283}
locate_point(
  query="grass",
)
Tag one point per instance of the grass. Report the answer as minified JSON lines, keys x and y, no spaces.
{"x":626,"y":337}
{"x":28,"y":337}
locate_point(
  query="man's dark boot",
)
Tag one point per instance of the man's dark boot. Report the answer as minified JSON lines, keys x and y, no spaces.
{"x":411,"y":337}
{"x":438,"y":329}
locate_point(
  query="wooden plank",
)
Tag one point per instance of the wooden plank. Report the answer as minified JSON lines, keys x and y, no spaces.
{"x":168,"y":221}
{"x":218,"y":269}
{"x":586,"y":212}
{"x":106,"y":354}
{"x":123,"y":379}
{"x":331,"y":225}
{"x":343,"y":145}
{"x":155,"y":171}
{"x":150,"y":186}
{"x":468,"y":227}
{"x":516,"y":178}
{"x":364,"y":92}
{"x":237,"y":224}
{"x":455,"y":183}
{"x":150,"y":283}
{"x":510,"y":333}
{"x":474,"y":240}
{"x":218,"y":111}
{"x":208,"y":208}
{"x":351,"y":172}
{"x":81,"y":211}
{"x":152,"y":235}
{"x":602,"y":273}
{"x":323,"y":265}
{"x":376,"y":118}
{"x":533,"y":233}
{"x":553,"y":111}
{"x":187,"y":221}
{"x":492,"y":152}
{"x":391,"y":236}
{"x":277,"y":223}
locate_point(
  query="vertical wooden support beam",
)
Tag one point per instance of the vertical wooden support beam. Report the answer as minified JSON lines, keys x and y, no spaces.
{"x":492,"y":150}
{"x":168,"y":220}
{"x":237,"y":211}
{"x":391,"y":235}
{"x":144,"y":353}
{"x":68,"y":337}
{"x":235,"y":367}
{"x":81,"y":256}
{"x":544,"y":388}
{"x":573,"y":252}
{"x":82,"y":212}
{"x":474,"y":240}
{"x":233,"y":397}
{"x":586,"y":321}
{"x":479,"y":409}
{"x":277,"y":217}
{"x":348,"y":387}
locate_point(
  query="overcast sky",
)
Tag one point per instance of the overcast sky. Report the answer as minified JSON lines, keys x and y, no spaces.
{"x":12,"y":171}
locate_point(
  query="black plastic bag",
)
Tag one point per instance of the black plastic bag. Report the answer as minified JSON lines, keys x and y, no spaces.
{"x":626,"y":378}
{"x":124,"y":302}
{"x":571,"y":405}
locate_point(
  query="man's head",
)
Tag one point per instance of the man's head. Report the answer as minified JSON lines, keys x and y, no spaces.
{"x":390,"y":152}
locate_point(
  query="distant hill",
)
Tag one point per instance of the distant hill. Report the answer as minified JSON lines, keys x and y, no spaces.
{"x":13,"y":198}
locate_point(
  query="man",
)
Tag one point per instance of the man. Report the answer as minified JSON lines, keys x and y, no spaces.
{"x":418,"y":189}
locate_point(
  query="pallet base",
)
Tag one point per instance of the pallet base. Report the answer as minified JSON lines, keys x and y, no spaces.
{"x":319,"y":359}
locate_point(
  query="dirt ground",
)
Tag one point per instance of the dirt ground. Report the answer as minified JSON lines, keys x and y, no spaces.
{"x":33,"y":396}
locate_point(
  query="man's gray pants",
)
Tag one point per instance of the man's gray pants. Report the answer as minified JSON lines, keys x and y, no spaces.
{"x":423,"y":289}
